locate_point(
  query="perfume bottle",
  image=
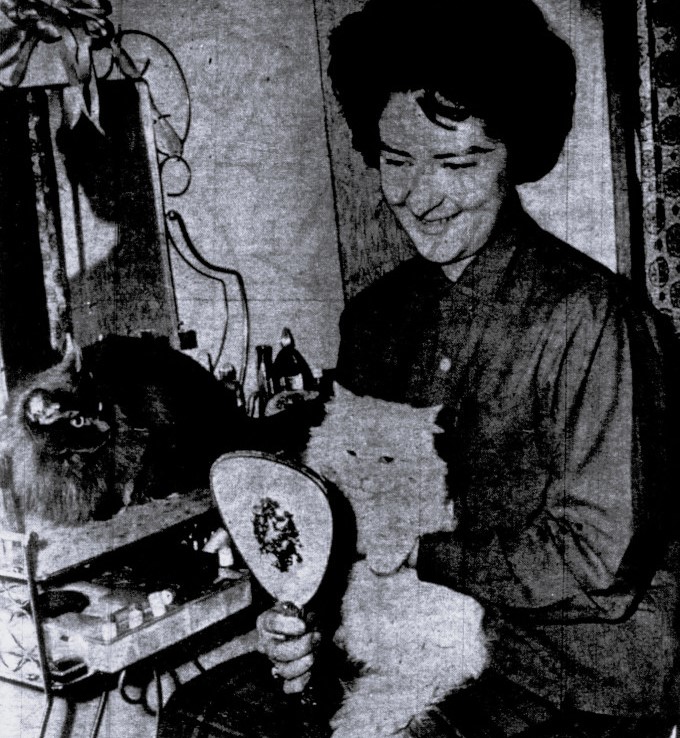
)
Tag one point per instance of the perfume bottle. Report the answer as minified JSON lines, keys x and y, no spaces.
{"x":265,"y":380}
{"x":228,"y":378}
{"x":291,"y":371}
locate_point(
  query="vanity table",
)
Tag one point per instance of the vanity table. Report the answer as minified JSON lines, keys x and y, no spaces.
{"x":87,"y":244}
{"x":109,"y":595}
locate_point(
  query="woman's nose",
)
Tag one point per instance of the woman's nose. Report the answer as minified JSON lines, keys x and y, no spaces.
{"x":423,"y":195}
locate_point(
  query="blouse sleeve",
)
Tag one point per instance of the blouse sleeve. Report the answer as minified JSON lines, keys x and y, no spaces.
{"x":566,"y":563}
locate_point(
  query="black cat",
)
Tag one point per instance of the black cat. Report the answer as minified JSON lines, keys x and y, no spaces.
{"x":125,"y":420}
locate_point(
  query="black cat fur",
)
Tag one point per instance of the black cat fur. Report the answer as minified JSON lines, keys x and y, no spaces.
{"x":125,"y":420}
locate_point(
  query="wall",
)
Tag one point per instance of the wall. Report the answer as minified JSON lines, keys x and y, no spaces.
{"x":260,"y":199}
{"x":576,"y":200}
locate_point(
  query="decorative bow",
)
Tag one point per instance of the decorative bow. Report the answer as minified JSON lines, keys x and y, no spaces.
{"x":76,"y":27}
{"x":77,"y":24}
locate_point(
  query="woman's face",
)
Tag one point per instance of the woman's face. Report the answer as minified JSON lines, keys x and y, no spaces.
{"x":445,"y":185}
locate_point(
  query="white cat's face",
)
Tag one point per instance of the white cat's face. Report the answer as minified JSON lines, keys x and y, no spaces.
{"x":381,"y":455}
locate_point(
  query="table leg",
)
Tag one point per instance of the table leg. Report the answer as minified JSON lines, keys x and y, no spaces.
{"x":101,"y":706}
{"x":49,"y":701}
{"x":159,"y":699}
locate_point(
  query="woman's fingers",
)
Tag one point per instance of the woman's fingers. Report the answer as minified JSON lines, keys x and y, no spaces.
{"x":293,"y":669}
{"x":294,"y":686}
{"x":272,"y":623}
{"x":273,"y":629}
{"x":291,"y":650}
{"x":285,"y":640}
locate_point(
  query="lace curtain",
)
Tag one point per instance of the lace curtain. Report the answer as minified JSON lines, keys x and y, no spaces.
{"x":659,"y":44}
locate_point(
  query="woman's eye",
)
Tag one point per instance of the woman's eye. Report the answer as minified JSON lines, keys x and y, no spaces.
{"x":395,"y":162}
{"x":459,"y":165}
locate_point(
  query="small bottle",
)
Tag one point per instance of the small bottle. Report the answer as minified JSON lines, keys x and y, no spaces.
{"x":135,"y":617}
{"x":265,"y":382}
{"x":291,"y":371}
{"x":159,"y":601}
{"x":229,"y":380}
{"x":109,"y":629}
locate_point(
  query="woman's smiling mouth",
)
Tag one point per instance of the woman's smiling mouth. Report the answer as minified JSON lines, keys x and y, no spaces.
{"x":435,"y":227}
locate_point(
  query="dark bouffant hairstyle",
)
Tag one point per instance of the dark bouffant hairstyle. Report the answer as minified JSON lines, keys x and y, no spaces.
{"x":497,"y":60}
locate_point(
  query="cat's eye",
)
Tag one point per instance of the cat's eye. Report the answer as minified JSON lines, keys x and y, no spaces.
{"x":78,"y":422}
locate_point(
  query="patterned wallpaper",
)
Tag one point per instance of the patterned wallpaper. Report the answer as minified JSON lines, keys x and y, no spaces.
{"x":659,"y":40}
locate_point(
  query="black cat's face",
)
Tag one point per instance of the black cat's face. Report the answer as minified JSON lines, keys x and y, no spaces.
{"x":63,"y":424}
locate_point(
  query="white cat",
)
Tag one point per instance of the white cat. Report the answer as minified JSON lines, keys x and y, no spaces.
{"x":417,"y":640}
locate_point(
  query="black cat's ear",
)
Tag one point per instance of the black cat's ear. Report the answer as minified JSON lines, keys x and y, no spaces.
{"x":73,"y":356}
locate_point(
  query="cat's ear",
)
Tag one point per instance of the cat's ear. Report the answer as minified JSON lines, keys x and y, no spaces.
{"x":342,"y":394}
{"x":73,"y":356}
{"x":434,"y":412}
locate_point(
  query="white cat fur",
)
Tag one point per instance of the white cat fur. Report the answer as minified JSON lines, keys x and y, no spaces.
{"x":417,"y":640}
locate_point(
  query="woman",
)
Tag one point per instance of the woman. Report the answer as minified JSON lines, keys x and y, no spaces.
{"x":550,"y":377}
{"x":544,"y":366}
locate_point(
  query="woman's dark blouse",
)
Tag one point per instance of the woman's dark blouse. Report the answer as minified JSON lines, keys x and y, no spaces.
{"x":551,"y":383}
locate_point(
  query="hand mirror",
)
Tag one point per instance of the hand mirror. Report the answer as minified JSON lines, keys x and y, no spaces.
{"x":278,"y":516}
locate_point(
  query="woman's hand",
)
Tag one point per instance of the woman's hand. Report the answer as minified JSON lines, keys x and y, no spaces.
{"x":285,"y":640}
